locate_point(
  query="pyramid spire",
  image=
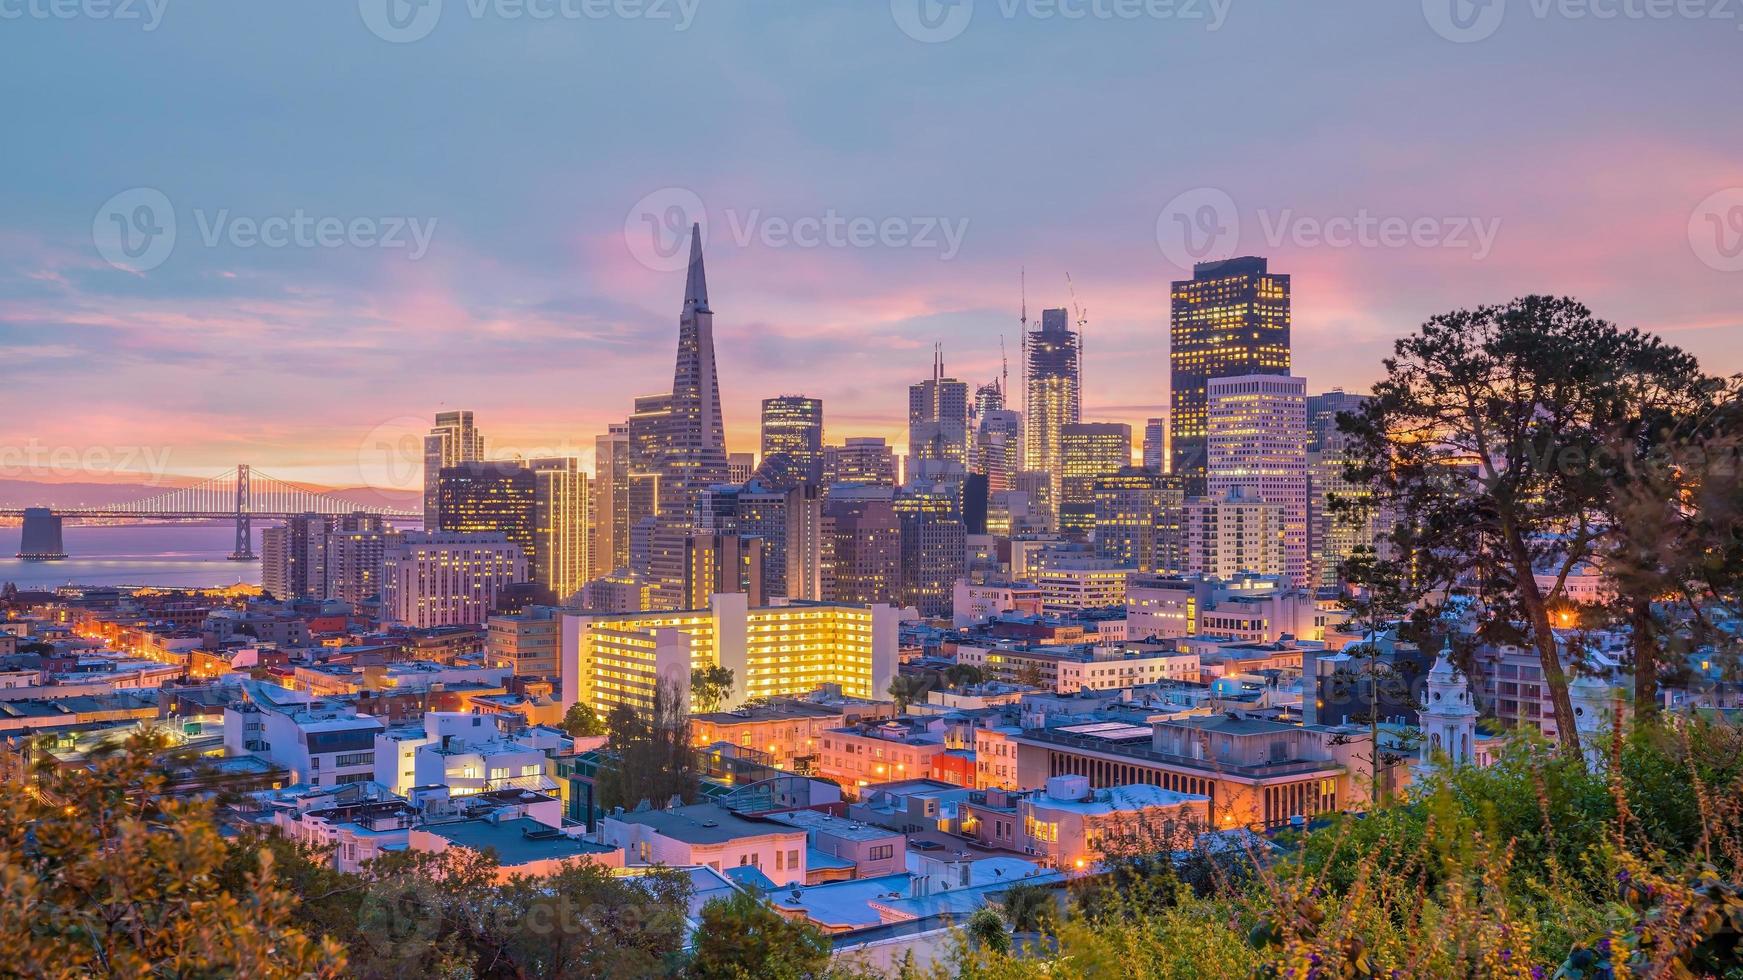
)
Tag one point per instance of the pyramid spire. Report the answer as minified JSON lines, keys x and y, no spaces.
{"x":696,"y":284}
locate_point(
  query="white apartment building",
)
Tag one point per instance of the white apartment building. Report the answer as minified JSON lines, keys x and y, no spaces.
{"x":441,"y":578}
{"x":1257,"y":443}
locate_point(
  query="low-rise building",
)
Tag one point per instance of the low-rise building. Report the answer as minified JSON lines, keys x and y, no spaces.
{"x":709,"y":834}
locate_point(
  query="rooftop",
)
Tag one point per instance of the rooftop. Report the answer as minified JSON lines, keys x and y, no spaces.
{"x":518,"y":840}
{"x":701,"y":823}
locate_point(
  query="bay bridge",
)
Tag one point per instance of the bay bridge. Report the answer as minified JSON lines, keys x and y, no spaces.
{"x":238,"y":495}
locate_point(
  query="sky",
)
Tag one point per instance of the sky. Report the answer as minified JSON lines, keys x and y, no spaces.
{"x":286,"y":234}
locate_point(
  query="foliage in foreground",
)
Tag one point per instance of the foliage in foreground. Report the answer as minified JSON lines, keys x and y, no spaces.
{"x":1532,"y":868}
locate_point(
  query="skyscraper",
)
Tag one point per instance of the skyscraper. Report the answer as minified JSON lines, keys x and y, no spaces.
{"x":293,"y":558}
{"x":438,"y":578}
{"x":793,"y":427}
{"x":1233,"y":533}
{"x":1257,"y":443}
{"x":681,"y":437}
{"x":539,"y":505}
{"x":934,"y":545}
{"x":938,"y":423}
{"x":452,"y":441}
{"x":1138,"y":518}
{"x":863,"y":459}
{"x":1052,"y":377}
{"x":1156,"y":445}
{"x":1230,"y":318}
{"x":1322,"y":415}
{"x":609,"y":547}
{"x":1088,"y":451}
{"x":862,"y":549}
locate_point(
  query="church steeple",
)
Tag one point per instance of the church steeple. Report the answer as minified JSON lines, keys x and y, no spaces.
{"x":1448,"y":716}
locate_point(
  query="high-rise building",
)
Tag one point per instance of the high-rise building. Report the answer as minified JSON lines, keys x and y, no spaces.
{"x":789,"y":522}
{"x":1322,"y":414}
{"x":998,"y":438}
{"x":561,"y":516}
{"x":1230,"y":318}
{"x":609,"y":546}
{"x":293,"y":558}
{"x":354,"y":564}
{"x":1041,"y":500}
{"x":740,"y":467}
{"x":1156,"y":445}
{"x":1342,"y":514}
{"x":1257,"y":442}
{"x":864,"y":459}
{"x":1233,"y":534}
{"x":1138,"y":520}
{"x":453,"y":440}
{"x":793,"y":427}
{"x":439,"y":578}
{"x":938,"y":424}
{"x":862,"y":549}
{"x":934,"y":544}
{"x":1052,"y":377}
{"x":694,"y":566}
{"x":540,"y":505}
{"x":681,"y":436}
{"x":1088,"y":451}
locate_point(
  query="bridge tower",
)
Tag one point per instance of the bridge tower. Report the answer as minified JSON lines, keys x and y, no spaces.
{"x":41,"y":540}
{"x":244,"y":550}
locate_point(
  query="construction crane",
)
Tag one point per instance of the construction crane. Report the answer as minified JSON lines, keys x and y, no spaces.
{"x":1082,"y":321}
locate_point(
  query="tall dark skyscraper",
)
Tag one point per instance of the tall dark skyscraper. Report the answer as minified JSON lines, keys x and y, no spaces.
{"x":680,"y":438}
{"x":1231,"y":318}
{"x":793,"y":427}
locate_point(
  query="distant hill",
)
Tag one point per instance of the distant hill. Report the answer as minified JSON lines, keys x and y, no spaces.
{"x":31,"y":493}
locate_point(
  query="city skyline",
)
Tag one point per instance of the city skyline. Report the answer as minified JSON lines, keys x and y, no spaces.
{"x":532,"y":290}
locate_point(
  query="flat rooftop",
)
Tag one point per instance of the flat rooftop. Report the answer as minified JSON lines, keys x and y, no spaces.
{"x":516,"y":841}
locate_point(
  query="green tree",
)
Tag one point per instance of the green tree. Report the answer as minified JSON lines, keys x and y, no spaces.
{"x":105,"y":874}
{"x":1028,"y":908}
{"x":580,"y":721}
{"x":742,"y":937}
{"x":987,"y":930}
{"x":962,"y":675}
{"x":906,"y":689}
{"x":710,"y":686}
{"x":1487,"y":438}
{"x":650,"y":756}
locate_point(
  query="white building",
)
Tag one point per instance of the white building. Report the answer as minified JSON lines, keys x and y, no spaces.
{"x":317,"y":741}
{"x":1257,"y":443}
{"x":1234,"y":533}
{"x":708,"y":834}
{"x":445,"y":578}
